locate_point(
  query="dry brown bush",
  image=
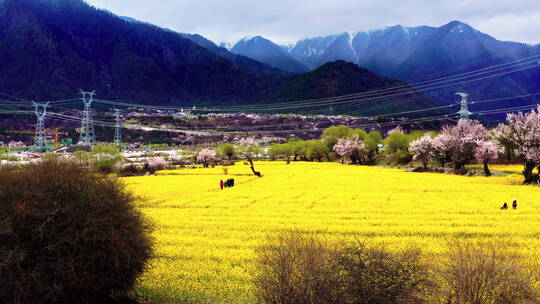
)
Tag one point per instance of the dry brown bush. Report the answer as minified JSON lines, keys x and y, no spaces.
{"x":375,"y":274}
{"x":305,"y":268}
{"x":474,"y":272}
{"x":296,"y":268}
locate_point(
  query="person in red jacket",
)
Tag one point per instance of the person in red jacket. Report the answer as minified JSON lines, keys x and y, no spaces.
{"x":221,"y":183}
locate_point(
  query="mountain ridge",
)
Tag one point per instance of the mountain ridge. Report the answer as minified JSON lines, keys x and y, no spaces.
{"x":429,"y":53}
{"x":48,"y":52}
{"x":264,"y":50}
{"x":52,"y":48}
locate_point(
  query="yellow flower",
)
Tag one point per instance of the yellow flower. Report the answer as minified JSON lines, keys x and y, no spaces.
{"x":206,"y":236}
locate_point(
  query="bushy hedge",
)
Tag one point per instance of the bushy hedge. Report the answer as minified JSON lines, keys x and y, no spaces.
{"x":295,"y":267}
{"x":68,"y":235}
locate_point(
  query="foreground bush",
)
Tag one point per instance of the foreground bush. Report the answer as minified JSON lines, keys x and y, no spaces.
{"x":296,"y":268}
{"x":376,"y":275}
{"x":486,"y":273}
{"x":301,"y":268}
{"x":68,"y":235}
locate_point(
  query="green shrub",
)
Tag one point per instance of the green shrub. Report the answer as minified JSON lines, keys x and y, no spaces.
{"x":7,"y":156}
{"x":68,"y":235}
{"x":227,"y":150}
{"x":317,"y":149}
{"x":105,"y":158}
{"x":51,"y":156}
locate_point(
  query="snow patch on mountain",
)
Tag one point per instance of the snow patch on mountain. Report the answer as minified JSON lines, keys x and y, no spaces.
{"x":351,"y":38}
{"x":226,"y":45}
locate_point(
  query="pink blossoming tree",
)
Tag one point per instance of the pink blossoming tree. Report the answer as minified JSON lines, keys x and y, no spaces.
{"x":354,"y":149}
{"x":485,"y":152}
{"x":423,"y":149}
{"x":522,"y":134}
{"x":206,"y":156}
{"x":441,"y":149}
{"x":462,"y":140}
{"x":157,"y":162}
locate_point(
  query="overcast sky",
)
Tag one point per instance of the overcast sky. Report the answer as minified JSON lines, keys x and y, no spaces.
{"x":286,"y":21}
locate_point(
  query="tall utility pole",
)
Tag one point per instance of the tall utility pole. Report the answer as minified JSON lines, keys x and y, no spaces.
{"x":39,"y":139}
{"x":464,"y":113}
{"x":88,"y":136}
{"x":117,"y":127}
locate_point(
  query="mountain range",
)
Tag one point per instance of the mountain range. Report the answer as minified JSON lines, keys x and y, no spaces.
{"x":266,"y":51}
{"x":51,"y":48}
{"x":416,"y":54}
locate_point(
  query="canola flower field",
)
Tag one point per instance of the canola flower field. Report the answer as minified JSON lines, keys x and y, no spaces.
{"x":509,"y":169}
{"x":206,"y":237}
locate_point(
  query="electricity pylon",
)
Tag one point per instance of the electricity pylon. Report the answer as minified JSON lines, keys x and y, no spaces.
{"x":117,"y":127}
{"x":39,"y":139}
{"x":464,"y":113}
{"x":88,"y":136}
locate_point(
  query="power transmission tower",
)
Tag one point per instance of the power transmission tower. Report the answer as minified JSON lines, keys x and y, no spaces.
{"x":88,"y":136}
{"x":464,"y":113}
{"x":117,"y":127}
{"x":39,"y":139}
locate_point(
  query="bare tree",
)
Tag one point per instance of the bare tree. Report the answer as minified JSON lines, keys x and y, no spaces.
{"x":475,"y":272}
{"x":249,"y":149}
{"x":295,"y":267}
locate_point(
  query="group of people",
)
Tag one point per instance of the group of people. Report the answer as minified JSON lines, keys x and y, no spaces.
{"x":514,"y":205}
{"x":226,"y":184}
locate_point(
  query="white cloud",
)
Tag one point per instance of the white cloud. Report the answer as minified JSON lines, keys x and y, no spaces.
{"x":285,"y":21}
{"x":513,"y":27}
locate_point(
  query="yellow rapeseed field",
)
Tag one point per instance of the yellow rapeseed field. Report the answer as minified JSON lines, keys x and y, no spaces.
{"x":510,"y":169}
{"x":206,"y":237}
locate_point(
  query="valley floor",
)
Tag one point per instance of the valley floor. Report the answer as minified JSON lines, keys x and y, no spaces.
{"x":206,"y":236}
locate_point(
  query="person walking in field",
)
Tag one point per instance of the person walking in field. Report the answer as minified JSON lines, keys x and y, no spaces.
{"x":514,"y":204}
{"x":221,"y":184}
{"x":504,"y":206}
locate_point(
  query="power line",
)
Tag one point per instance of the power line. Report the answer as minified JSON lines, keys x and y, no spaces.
{"x":347,"y":99}
{"x":315,"y":129}
{"x":428,"y":85}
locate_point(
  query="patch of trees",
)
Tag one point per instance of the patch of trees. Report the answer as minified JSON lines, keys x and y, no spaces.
{"x":247,"y":149}
{"x":519,"y":138}
{"x":305,"y":150}
{"x":458,"y":145}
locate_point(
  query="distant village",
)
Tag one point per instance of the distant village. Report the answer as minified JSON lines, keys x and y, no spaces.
{"x":141,"y":126}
